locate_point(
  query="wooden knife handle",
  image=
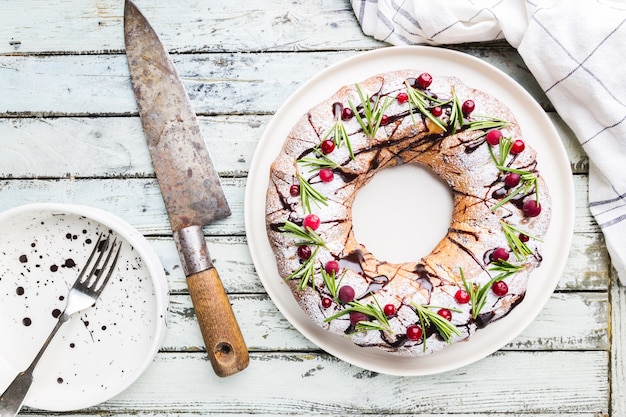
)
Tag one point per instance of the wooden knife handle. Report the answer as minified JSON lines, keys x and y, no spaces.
{"x":222,"y":337}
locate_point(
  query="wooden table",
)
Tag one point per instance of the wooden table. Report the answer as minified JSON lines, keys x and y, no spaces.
{"x":69,"y":132}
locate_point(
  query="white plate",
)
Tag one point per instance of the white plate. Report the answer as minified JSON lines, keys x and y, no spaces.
{"x":100,"y":351}
{"x":538,"y":132}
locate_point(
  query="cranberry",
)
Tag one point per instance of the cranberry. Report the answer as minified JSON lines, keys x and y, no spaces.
{"x":493,"y":137}
{"x":326,"y":174}
{"x":524,"y":238}
{"x":500,"y":288}
{"x":531,"y":208}
{"x":445,"y":313}
{"x":326,"y":302}
{"x":328,"y":146}
{"x":436,"y":111}
{"x":356,"y":317}
{"x":304,"y":252}
{"x":332,"y":267}
{"x":312,"y":221}
{"x":512,"y":180}
{"x":414,"y":332}
{"x":347,"y":113}
{"x":517,"y":147}
{"x":346,"y":293}
{"x":389,"y":310}
{"x":499,"y":254}
{"x":462,"y":297}
{"x":424,"y":80}
{"x":294,"y":190}
{"x":467,"y":107}
{"x":384,"y":120}
{"x":402,"y":98}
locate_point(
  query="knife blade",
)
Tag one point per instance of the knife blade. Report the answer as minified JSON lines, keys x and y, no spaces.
{"x":189,"y":183}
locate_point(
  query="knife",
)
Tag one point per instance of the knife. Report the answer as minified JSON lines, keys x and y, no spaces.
{"x":189,"y":184}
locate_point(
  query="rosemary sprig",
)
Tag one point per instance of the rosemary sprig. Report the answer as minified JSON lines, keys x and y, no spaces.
{"x":419,"y":99}
{"x":504,"y":269}
{"x":528,"y":182}
{"x":485,"y":124}
{"x":504,"y":148}
{"x":331,"y":282}
{"x":308,"y":193}
{"x":456,"y":114}
{"x":339,"y":135}
{"x":306,"y":272}
{"x":373,"y":310}
{"x":520,"y":249}
{"x":373,"y":112}
{"x":307,"y":236}
{"x":429,"y":317}
{"x":315,"y":164}
{"x":478,"y":293}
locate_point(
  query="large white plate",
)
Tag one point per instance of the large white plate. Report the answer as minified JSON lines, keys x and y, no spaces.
{"x":100,"y":351}
{"x":538,"y":132}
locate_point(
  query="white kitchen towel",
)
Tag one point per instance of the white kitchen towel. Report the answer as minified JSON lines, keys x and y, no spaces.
{"x":576,"y":49}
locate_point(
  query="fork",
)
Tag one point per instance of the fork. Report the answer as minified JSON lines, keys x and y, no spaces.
{"x":83,"y":294}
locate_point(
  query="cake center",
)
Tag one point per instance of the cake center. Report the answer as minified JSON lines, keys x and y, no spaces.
{"x":402,"y":213}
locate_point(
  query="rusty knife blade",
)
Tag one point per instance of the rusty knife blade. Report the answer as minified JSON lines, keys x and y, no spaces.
{"x":189,"y":183}
{"x":188,"y":180}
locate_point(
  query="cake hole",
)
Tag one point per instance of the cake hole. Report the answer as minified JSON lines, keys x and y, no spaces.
{"x":402,"y":213}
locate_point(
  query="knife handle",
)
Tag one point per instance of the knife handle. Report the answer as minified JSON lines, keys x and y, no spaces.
{"x":222,"y":337}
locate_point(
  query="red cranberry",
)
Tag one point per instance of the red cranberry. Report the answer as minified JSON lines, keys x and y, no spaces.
{"x":357,"y":317}
{"x":424,"y":80}
{"x":467,"y":107}
{"x":312,"y":221}
{"x":517,"y":147}
{"x":402,"y":98}
{"x":462,"y":297}
{"x":332,"y":267}
{"x":384,"y":120}
{"x":531,"y":208}
{"x":294,"y":190}
{"x":346,"y":293}
{"x":326,"y":302}
{"x":493,"y":137}
{"x":512,"y":180}
{"x":326,"y":174}
{"x":499,"y":254}
{"x":500,"y":288}
{"x":304,"y":252}
{"x":389,"y":310}
{"x":524,"y":238}
{"x":436,"y":111}
{"x":414,"y":332}
{"x":347,"y":113}
{"x":328,"y":146}
{"x":445,"y":313}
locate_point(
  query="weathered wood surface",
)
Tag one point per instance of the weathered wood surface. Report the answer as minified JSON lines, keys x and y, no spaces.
{"x":65,"y":97}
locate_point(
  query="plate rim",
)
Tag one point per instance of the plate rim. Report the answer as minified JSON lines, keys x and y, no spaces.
{"x":566,"y":211}
{"x":155,"y":273}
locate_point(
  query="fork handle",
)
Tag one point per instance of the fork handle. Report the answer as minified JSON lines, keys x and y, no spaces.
{"x":12,"y":398}
{"x":222,"y":337}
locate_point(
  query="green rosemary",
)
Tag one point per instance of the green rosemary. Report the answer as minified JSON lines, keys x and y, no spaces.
{"x":374,"y":310}
{"x":420,"y":100}
{"x":428,"y":316}
{"x":373,"y":112}
{"x":308,"y":193}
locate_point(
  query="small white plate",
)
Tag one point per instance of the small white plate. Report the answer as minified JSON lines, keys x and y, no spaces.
{"x":538,"y":132}
{"x":100,"y":351}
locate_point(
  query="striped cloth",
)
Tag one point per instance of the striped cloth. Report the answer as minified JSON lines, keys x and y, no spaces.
{"x":576,"y":50}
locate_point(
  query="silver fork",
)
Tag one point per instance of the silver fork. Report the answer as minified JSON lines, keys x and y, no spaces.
{"x":83,"y":294}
